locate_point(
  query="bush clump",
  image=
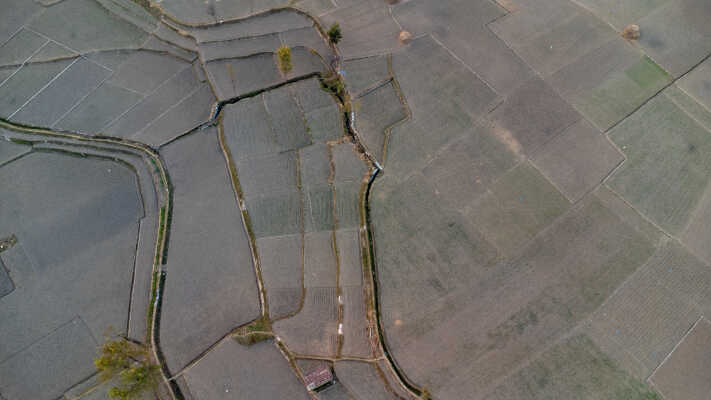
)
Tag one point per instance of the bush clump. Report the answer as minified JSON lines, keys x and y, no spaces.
{"x":284,"y":59}
{"x":130,"y":365}
{"x":334,"y":34}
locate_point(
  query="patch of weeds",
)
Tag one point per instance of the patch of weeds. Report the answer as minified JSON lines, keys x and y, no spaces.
{"x":6,"y":243}
{"x":334,"y":84}
{"x":334,"y":33}
{"x":151,"y":306}
{"x":284,"y":59}
{"x":256,"y":331}
{"x":161,"y":233}
{"x":129,"y":365}
{"x":425,"y":395}
{"x":22,"y":141}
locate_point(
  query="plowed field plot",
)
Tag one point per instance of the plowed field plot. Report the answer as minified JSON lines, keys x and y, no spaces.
{"x":578,"y":160}
{"x":261,"y":372}
{"x":477,"y":199}
{"x":685,"y":374}
{"x":206,"y":235}
{"x":575,"y":368}
{"x":645,"y":319}
{"x":363,"y":380}
{"x":497,"y":317}
{"x":667,"y":165}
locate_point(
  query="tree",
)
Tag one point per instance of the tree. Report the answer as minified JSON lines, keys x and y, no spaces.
{"x":334,"y":33}
{"x":130,"y":364}
{"x":284,"y":59}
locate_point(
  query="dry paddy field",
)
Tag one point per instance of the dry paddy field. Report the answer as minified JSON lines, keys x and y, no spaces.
{"x":511,"y":202}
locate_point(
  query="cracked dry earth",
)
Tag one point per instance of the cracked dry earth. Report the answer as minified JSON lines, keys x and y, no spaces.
{"x":513,"y":203}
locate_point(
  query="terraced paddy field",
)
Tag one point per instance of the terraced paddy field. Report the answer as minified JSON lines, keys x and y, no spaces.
{"x":470,"y":199}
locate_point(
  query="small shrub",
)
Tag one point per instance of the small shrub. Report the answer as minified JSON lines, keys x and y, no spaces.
{"x":334,"y":34}
{"x":284,"y":59}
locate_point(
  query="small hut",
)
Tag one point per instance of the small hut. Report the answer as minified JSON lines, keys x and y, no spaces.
{"x":319,"y":378}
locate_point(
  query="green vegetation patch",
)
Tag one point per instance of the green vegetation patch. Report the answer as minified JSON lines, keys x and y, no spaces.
{"x":256,"y":331}
{"x":574,"y":369}
{"x":129,"y":363}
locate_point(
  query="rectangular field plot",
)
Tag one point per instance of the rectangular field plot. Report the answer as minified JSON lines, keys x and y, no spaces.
{"x":20,"y":47}
{"x":356,"y":332}
{"x":34,"y":373}
{"x":269,"y":174}
{"x":318,"y":208}
{"x":516,"y":208}
{"x":150,"y":108}
{"x":651,"y":312}
{"x":363,"y":381}
{"x":144,"y":71}
{"x":99,"y":108}
{"x":534,"y":114}
{"x":457,"y":95}
{"x":686,"y":374}
{"x":282,"y":271}
{"x":573,"y":369}
{"x":349,"y":258}
{"x":463,"y":170}
{"x":325,"y":123}
{"x":348,"y":205}
{"x":320,"y":267}
{"x":78,"y":80}
{"x":185,"y":115}
{"x":578,"y":160}
{"x":667,"y":165}
{"x":618,"y":13}
{"x":247,"y":130}
{"x":335,"y":392}
{"x":25,"y":83}
{"x":349,"y":165}
{"x":287,"y":119}
{"x":562,"y":42}
{"x":310,"y":95}
{"x":261,"y":373}
{"x":314,"y":330}
{"x":273,"y":215}
{"x":315,"y":166}
{"x":97,"y":29}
